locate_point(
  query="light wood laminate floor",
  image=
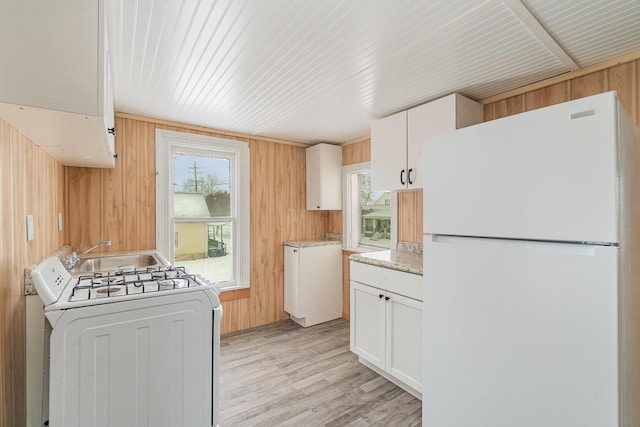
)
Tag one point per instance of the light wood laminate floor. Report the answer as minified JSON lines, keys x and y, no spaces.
{"x":285,"y":375}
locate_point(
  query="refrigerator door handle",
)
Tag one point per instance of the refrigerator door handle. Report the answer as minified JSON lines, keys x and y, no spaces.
{"x":521,"y":245}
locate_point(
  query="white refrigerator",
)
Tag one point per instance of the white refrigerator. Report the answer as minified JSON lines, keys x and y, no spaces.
{"x":531,"y":270}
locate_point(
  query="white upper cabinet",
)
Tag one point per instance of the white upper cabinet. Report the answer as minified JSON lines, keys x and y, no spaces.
{"x":396,"y":140}
{"x":55,"y":82}
{"x":324,"y":177}
{"x":389,"y":153}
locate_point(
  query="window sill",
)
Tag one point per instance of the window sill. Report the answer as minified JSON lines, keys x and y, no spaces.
{"x":364,"y":250}
{"x":233,"y":294}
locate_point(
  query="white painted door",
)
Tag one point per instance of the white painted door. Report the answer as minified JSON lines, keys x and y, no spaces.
{"x":520,"y":333}
{"x":368,"y":323}
{"x":389,"y":153}
{"x":548,"y":174}
{"x":404,"y":339}
{"x":292,"y":281}
{"x":314,"y":178}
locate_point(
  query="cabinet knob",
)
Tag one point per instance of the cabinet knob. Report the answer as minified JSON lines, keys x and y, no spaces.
{"x":409,"y":176}
{"x":112,"y":131}
{"x":387,"y":298}
{"x":380,"y":296}
{"x":402,"y":177}
{"x":318,"y":206}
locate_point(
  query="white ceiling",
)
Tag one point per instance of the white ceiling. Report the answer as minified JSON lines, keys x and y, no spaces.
{"x":312,"y":70}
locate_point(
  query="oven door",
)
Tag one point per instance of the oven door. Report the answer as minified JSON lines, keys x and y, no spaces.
{"x":143,"y":362}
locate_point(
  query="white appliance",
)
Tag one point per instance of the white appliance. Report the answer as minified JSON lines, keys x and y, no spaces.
{"x":531,"y":298}
{"x":130,"y":348}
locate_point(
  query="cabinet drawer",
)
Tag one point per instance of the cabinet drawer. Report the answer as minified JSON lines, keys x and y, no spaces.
{"x":399,"y":282}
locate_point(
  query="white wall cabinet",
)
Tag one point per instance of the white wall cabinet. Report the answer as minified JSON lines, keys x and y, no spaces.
{"x":55,"y":83}
{"x":386,"y":327}
{"x":324,"y":177}
{"x":396,"y":140}
{"x":313,"y":283}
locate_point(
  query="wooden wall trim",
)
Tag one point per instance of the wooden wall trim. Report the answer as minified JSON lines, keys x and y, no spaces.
{"x":235,"y":294}
{"x":209,"y":130}
{"x":563,"y":77}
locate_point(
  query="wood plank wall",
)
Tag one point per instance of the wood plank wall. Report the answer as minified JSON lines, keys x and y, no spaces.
{"x":622,"y":78}
{"x":618,"y":74}
{"x":119,"y":204}
{"x":32,"y":183}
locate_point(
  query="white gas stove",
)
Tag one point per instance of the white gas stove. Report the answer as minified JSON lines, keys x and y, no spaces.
{"x":130,"y":347}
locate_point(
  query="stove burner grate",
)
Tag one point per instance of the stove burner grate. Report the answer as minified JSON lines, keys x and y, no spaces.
{"x":153,"y":279}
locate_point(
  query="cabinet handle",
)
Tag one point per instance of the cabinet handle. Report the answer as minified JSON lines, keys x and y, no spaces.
{"x":380,"y":296}
{"x":409,"y":176}
{"x":402,"y":177}
{"x":112,"y":131}
{"x":387,"y":298}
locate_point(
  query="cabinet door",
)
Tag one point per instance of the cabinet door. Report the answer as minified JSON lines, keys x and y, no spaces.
{"x":404,"y":339}
{"x":368,"y":323}
{"x":314,"y":167}
{"x":442,"y":115}
{"x":292,"y":281}
{"x":324,"y":177}
{"x":422,"y":122}
{"x":389,"y":153}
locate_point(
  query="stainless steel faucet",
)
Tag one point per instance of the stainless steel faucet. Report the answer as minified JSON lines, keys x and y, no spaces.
{"x":72,"y":260}
{"x":104,"y":242}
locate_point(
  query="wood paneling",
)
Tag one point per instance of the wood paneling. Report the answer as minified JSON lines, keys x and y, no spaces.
{"x":119,"y":204}
{"x":346,"y":285}
{"x":555,"y":94}
{"x":356,"y":151}
{"x":619,"y":76}
{"x":32,"y":183}
{"x":410,"y":216}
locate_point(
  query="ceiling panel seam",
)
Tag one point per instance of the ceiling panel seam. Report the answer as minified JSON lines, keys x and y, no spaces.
{"x":530,"y":21}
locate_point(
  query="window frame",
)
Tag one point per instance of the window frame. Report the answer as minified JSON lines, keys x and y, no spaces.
{"x":169,"y":143}
{"x":351,"y":210}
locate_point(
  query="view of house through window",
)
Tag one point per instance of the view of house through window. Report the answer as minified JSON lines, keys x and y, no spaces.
{"x":375,"y":214}
{"x":204,"y":223}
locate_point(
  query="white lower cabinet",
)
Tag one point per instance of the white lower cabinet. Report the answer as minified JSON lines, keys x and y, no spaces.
{"x":368,"y":325}
{"x":386,"y":332}
{"x":313,"y":283}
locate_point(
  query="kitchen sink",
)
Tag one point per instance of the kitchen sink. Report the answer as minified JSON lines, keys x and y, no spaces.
{"x":118,"y":263}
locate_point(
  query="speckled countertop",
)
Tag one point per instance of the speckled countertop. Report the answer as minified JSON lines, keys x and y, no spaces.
{"x":407,"y":259}
{"x":311,"y":243}
{"x":329,"y":239}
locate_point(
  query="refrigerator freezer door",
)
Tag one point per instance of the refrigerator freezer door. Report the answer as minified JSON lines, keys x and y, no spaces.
{"x":548,"y":174}
{"x":524,"y":335}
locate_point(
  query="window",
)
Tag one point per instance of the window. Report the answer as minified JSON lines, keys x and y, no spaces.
{"x":369,"y":214}
{"x":202,"y":205}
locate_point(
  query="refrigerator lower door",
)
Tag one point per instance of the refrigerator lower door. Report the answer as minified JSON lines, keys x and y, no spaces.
{"x":519,"y":333}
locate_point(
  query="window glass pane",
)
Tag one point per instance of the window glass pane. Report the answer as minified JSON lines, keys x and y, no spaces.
{"x":201,"y":186}
{"x":205,"y":248}
{"x":375,"y":214}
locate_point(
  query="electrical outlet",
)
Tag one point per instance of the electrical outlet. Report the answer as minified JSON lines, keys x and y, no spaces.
{"x":29,"y":228}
